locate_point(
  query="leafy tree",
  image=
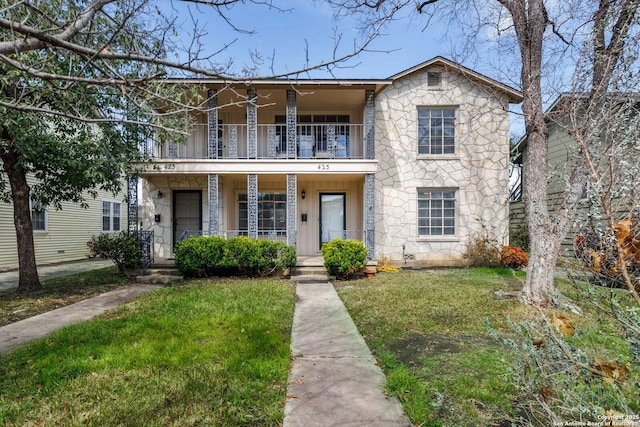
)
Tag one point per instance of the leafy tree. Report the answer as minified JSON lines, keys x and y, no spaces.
{"x":595,"y":41}
{"x":82,"y":86}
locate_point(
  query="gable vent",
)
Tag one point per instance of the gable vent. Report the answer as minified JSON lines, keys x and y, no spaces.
{"x":434,"y":79}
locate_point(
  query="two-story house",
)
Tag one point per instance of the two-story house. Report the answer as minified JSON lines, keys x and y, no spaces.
{"x":413,"y":165}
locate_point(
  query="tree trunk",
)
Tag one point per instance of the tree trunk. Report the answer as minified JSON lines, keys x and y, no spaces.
{"x":530,"y":19}
{"x":28,"y":271}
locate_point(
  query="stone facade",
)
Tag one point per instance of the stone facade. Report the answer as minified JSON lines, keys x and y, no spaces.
{"x":376,"y":177}
{"x":478,"y":170}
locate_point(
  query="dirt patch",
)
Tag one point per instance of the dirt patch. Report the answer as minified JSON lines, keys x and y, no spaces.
{"x":410,"y":349}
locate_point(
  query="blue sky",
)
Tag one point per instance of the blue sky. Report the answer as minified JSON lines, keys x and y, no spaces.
{"x":310,"y":24}
{"x":307,"y":27}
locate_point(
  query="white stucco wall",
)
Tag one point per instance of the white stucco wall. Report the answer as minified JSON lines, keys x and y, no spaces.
{"x":478,"y":170}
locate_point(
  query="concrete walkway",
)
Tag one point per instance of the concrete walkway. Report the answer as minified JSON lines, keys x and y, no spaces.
{"x":26,"y":330}
{"x":334,"y":379}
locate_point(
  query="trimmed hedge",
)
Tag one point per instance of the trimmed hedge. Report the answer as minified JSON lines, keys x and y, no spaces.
{"x":216,"y":256}
{"x":343,"y":258}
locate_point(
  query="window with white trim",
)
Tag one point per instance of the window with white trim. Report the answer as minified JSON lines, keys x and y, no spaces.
{"x":436,"y":212}
{"x":111,"y":216}
{"x":39,"y":216}
{"x":436,"y":130}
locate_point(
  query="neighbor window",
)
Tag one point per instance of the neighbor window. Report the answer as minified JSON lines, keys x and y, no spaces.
{"x":272,"y":213}
{"x":110,"y":216}
{"x":38,"y":216}
{"x":436,"y":212}
{"x":436,"y":130}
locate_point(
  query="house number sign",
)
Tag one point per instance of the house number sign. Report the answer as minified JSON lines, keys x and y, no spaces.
{"x":323,"y":167}
{"x":170,"y":166}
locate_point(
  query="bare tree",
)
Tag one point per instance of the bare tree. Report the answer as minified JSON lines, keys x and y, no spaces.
{"x":81,"y":86}
{"x":547,"y":36}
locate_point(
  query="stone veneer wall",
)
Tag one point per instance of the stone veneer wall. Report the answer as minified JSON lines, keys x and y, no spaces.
{"x":152,"y":205}
{"x":478,"y":170}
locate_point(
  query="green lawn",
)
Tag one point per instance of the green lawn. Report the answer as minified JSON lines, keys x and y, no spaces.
{"x":216,"y":352}
{"x":428,"y":330}
{"x":207,"y":353}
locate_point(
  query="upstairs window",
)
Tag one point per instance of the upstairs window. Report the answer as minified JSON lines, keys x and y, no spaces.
{"x":110,"y":216}
{"x":436,"y":131}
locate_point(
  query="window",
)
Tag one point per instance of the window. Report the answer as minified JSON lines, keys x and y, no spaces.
{"x":38,"y":216}
{"x":110,"y":216}
{"x":436,"y":212}
{"x":436,"y":130}
{"x":272,"y":213}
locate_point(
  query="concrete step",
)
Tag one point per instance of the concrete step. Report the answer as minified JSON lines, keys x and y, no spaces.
{"x":159,"y":279}
{"x":310,"y":274}
{"x":164,"y":271}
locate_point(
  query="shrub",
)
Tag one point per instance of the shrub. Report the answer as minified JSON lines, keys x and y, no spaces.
{"x":200,"y":256}
{"x":483,"y":251}
{"x":123,"y":249}
{"x":520,"y":237}
{"x":344,"y":258}
{"x":513,"y":257}
{"x":214,"y":255}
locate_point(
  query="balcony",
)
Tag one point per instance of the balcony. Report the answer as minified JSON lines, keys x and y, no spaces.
{"x":313,"y":141}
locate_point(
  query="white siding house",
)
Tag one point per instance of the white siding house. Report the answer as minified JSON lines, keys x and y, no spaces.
{"x":62,"y":235}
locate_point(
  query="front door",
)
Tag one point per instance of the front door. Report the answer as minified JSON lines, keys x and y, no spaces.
{"x":187,"y":213}
{"x":332,"y":216}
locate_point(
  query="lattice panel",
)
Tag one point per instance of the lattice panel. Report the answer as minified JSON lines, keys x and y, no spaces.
{"x":370,"y":124}
{"x":370,"y":214}
{"x":292,"y":209}
{"x":252,"y":202}
{"x":212,"y":121}
{"x":291,"y":124}
{"x":252,"y":123}
{"x":132,"y":206}
{"x":214,"y":220}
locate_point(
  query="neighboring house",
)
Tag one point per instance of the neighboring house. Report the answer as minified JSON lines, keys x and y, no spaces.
{"x":62,"y":235}
{"x":561,"y":147}
{"x":414,"y":165}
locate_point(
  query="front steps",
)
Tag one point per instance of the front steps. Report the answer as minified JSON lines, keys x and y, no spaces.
{"x":310,"y":269}
{"x":161,"y":273}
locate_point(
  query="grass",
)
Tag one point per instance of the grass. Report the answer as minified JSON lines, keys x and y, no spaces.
{"x":428,"y":330}
{"x":217,"y":352}
{"x":58,"y":292}
{"x":206,"y":353}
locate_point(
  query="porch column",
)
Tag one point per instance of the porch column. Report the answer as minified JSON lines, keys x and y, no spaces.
{"x":292,"y":209}
{"x":252,"y":205}
{"x":214,"y":220}
{"x":132,"y":203}
{"x":212,"y":124}
{"x":370,"y":124}
{"x":292,"y":122}
{"x":252,"y":123}
{"x":370,"y":215}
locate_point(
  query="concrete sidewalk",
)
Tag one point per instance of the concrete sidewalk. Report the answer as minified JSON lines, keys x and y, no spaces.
{"x":334,"y":379}
{"x":24,"y":331}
